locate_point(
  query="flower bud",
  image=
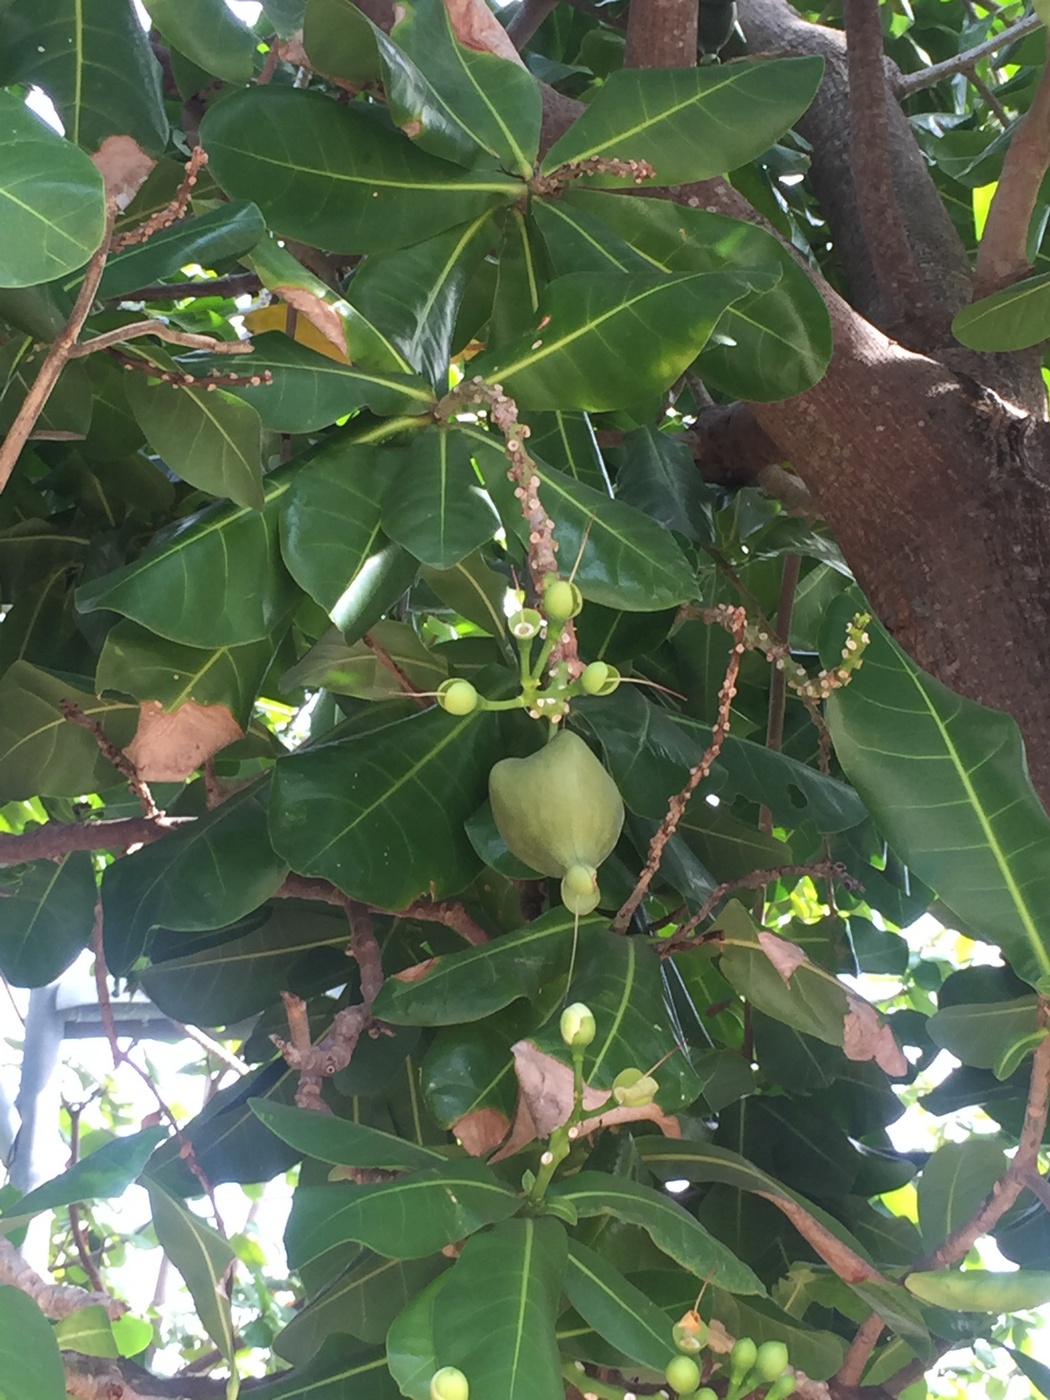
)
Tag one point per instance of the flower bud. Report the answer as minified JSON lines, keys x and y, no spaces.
{"x":782,"y":1388}
{"x":599,"y":678}
{"x":741,"y":1359}
{"x":449,"y":1384}
{"x":771,"y":1361}
{"x":683,"y":1375}
{"x":577,"y":1026}
{"x":633,"y":1089}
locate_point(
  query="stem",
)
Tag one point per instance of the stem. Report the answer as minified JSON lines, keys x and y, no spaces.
{"x":908,"y":83}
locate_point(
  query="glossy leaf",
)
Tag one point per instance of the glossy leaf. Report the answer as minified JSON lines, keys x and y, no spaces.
{"x":981,"y":1034}
{"x":47,"y":919}
{"x":411,"y":1347}
{"x":52,"y":203}
{"x":210,"y":439}
{"x":208,"y":34}
{"x":338,"y":1371}
{"x":505,"y":1285}
{"x":617,"y":1309}
{"x":670,"y":1227}
{"x":435,"y":506}
{"x":1012,"y":319}
{"x":342,"y":1141}
{"x":30,"y":1360}
{"x":689,"y":123}
{"x":94,"y":62}
{"x":203,"y":1258}
{"x":364,"y":669}
{"x":945,"y":780}
{"x":309,"y":390}
{"x":605,"y":340}
{"x":407,"y":1218}
{"x":954,"y":1183}
{"x":337,"y":176}
{"x":386,"y":844}
{"x":209,"y":239}
{"x":171,"y":588}
{"x":210,"y":873}
{"x":473,"y":590}
{"x":88,"y":1331}
{"x":40,"y":751}
{"x":341,"y":41}
{"x":657,"y":475}
{"x":103,"y":1174}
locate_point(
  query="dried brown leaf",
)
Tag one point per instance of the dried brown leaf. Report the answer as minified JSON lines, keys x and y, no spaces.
{"x":482,"y":1131}
{"x":168,"y":747}
{"x":318,"y":313}
{"x":865,"y":1037}
{"x":786,"y":957}
{"x":476,"y":27}
{"x":123,"y":165}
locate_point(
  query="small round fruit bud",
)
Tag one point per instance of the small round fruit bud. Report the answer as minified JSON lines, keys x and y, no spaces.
{"x":683,"y":1374}
{"x":577,"y":1026}
{"x":782,"y":1388}
{"x":771,"y":1361}
{"x":633,"y":1089}
{"x":457,"y":697}
{"x":706,"y":1394}
{"x":741,"y":1359}
{"x":594,"y":677}
{"x":449,"y":1384}
{"x":525,"y":624}
{"x":580,"y":895}
{"x":561,"y":599}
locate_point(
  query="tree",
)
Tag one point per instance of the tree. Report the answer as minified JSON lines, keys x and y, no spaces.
{"x":533,"y":675}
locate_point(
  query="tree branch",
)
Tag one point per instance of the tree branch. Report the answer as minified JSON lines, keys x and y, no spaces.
{"x":895,"y":266}
{"x":55,"y":1300}
{"x":113,"y":755}
{"x":54,"y":840}
{"x":661,"y":34}
{"x":1002,"y":257}
{"x":907,"y":83}
{"x":235,"y":285}
{"x":530,"y":15}
{"x":154,"y":326}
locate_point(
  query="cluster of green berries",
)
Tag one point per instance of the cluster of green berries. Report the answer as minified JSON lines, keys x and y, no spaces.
{"x":749,"y":1366}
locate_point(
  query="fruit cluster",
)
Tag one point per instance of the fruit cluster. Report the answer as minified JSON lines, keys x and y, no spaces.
{"x":749,"y":1367}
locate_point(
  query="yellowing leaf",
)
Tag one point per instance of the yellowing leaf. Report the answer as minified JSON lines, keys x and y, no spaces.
{"x":276,"y":317}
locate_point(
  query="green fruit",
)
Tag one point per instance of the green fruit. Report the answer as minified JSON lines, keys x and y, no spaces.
{"x":741,"y":1359}
{"x":557,"y":809}
{"x":449,"y":1384}
{"x":525,"y":624}
{"x":594,"y":677}
{"x":577,"y":902}
{"x":683,"y":1374}
{"x":690,"y":1334}
{"x":457,"y":697}
{"x":771,"y":1361}
{"x":978,"y":1290}
{"x":561,"y":599}
{"x":577,"y":1026}
{"x":782,"y":1388}
{"x":706,"y":1394}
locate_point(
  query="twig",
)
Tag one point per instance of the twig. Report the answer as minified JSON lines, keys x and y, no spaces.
{"x":736,"y":620}
{"x":54,"y":840}
{"x":214,"y":1048}
{"x":235,"y":285}
{"x":1002,"y":256}
{"x":105,"y":1006}
{"x":778,"y":681}
{"x":436,"y":911}
{"x":76,"y":1226}
{"x":154,"y":326}
{"x":530,"y":15}
{"x":893,"y":260}
{"x":114,"y":755}
{"x":907,"y":83}
{"x":176,"y":209}
{"x":860,"y":1349}
{"x":56,"y":357}
{"x":182,"y":379}
{"x":404,"y":681}
{"x":55,"y":1300}
{"x":755,"y":880}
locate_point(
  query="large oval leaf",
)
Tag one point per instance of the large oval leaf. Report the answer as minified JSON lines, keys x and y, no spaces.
{"x":434,"y":507}
{"x":52,"y":201}
{"x":616,"y":1309}
{"x":210,"y":239}
{"x":689,"y":123}
{"x":1012,"y":319}
{"x":946,"y":782}
{"x":30,"y":1360}
{"x":337,"y":176}
{"x":48,"y":917}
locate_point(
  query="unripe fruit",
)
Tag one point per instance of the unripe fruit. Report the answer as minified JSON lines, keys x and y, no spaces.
{"x":782,"y":1388}
{"x":561,"y":599}
{"x":577,"y":1026}
{"x":690,"y":1332}
{"x":741,"y":1359}
{"x":579,"y":889}
{"x":594,"y":677}
{"x":449,"y":1384}
{"x":633,"y":1089}
{"x":683,"y":1374}
{"x":771,"y":1361}
{"x":558,"y":808}
{"x":706,"y":1394}
{"x":525,"y":624}
{"x":457,"y":697}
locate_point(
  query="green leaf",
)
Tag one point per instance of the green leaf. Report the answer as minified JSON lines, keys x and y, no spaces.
{"x":771,"y":344}
{"x":657,"y":475}
{"x":470,"y":1067}
{"x":487,"y":101}
{"x":52,"y":201}
{"x":339,"y":1371}
{"x":689,"y":123}
{"x":1012,"y":319}
{"x":670,"y":1227}
{"x":41,"y":752}
{"x":415,"y":293}
{"x":408,"y":1218}
{"x":309,"y":390}
{"x":468,"y":986}
{"x":359,"y":670}
{"x":210,"y":873}
{"x":411,"y":1348}
{"x":47,"y":919}
{"x":147,"y":667}
{"x":95,"y":63}
{"x":30,"y":1362}
{"x":172,"y":587}
{"x":473,"y":590}
{"x":494,"y":1318}
{"x":204,"y":1259}
{"x":89,"y":1331}
{"x":208,"y":34}
{"x":209,"y":438}
{"x":103,"y":1174}
{"x":339,"y":177}
{"x":982,"y":1033}
{"x":287,"y":946}
{"x":343,"y":1142}
{"x":435,"y":507}
{"x":604,"y":340}
{"x":1033,"y":1370}
{"x":616,"y":1309}
{"x":946,"y":782}
{"x":341,"y":41}
{"x":381,"y":815}
{"x":210,"y":239}
{"x":954,"y":1182}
